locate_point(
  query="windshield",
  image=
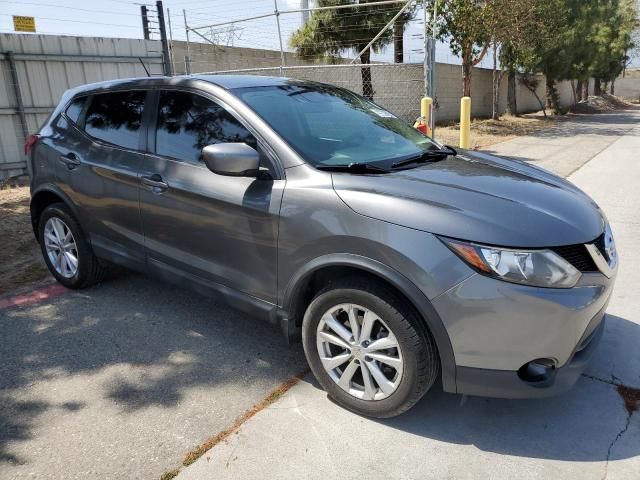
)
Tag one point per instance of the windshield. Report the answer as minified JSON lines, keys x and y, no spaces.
{"x":333,"y":126}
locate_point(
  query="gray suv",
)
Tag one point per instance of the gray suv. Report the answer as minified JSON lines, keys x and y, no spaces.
{"x":398,"y":260}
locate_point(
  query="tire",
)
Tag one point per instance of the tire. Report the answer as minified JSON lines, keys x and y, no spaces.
{"x":88,"y":271}
{"x":415,"y":357}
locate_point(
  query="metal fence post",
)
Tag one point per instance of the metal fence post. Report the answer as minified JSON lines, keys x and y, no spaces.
{"x":163,"y":39}
{"x":427,"y":52}
{"x":187,"y":59}
{"x":170,"y":39}
{"x":432,"y":54}
{"x":277,"y":13}
{"x":145,"y":22}
{"x":18,"y":94}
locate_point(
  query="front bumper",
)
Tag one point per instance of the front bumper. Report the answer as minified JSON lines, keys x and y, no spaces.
{"x":497,"y":328}
{"x":508,"y":384}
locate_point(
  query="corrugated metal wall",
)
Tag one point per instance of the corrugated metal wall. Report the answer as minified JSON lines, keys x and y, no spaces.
{"x":47,"y":65}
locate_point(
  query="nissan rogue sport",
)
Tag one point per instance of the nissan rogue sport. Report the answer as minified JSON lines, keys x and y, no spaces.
{"x":398,"y":260}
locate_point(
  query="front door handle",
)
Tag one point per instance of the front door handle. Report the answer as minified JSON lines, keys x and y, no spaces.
{"x":155,"y":182}
{"x":71,"y":160}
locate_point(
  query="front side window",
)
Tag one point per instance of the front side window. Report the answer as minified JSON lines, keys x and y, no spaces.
{"x":332,"y":126}
{"x":116,"y":117}
{"x":187,"y":123}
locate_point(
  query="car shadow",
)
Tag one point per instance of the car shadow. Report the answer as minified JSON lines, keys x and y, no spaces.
{"x":579,"y":425}
{"x":137,"y":343}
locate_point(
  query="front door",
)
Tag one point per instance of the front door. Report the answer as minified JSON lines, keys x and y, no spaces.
{"x":218,"y":228}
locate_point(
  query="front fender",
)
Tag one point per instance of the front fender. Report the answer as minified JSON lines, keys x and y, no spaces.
{"x":397,"y":280}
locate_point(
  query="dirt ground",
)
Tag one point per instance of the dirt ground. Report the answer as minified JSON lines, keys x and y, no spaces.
{"x":22,"y":262}
{"x":487,"y":132}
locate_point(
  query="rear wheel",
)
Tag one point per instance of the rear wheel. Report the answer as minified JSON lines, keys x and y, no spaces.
{"x":368,"y":349}
{"x":65,"y":249}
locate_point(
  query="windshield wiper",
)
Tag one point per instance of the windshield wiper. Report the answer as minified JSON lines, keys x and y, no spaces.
{"x":429,"y":155}
{"x":353,"y":168}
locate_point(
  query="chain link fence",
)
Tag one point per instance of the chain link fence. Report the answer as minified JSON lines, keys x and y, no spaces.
{"x":396,"y":87}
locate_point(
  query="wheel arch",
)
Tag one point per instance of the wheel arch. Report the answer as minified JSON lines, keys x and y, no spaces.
{"x":305,"y":282}
{"x":44,"y":196}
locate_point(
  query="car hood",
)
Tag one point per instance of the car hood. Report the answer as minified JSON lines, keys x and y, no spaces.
{"x":477,"y":197}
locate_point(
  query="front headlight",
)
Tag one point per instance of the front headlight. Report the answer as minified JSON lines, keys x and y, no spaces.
{"x":538,"y":268}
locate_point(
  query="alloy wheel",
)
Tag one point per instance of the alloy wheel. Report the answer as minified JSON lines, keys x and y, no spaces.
{"x":61,"y":247}
{"x":359,"y":352}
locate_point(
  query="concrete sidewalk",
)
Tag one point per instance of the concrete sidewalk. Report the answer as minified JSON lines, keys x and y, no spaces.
{"x":586,"y":433}
{"x":567,"y":146}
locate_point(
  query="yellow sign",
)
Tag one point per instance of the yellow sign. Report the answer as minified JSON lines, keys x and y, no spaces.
{"x":24,"y":24}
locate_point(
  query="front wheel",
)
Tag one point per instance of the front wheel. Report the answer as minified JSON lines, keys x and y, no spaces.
{"x":368,"y":349}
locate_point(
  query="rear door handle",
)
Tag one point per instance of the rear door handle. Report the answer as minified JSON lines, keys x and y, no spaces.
{"x":155,"y":182}
{"x":71,"y":160}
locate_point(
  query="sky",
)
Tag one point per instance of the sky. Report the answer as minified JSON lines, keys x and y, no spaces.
{"x":121,"y":18}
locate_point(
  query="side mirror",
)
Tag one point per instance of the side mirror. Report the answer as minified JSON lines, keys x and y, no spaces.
{"x":233,"y":159}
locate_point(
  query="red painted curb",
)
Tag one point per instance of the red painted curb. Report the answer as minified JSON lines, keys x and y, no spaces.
{"x":34,"y":296}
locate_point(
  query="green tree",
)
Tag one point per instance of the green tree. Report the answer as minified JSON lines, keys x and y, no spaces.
{"x":463,"y":24}
{"x":580,"y":39}
{"x":514,"y":27}
{"x":398,"y":33}
{"x":612,"y":39}
{"x":328,"y":33}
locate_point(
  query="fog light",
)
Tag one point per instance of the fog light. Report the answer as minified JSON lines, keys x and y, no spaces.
{"x":538,"y":370}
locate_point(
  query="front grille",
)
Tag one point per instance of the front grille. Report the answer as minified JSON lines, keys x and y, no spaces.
{"x":578,"y":256}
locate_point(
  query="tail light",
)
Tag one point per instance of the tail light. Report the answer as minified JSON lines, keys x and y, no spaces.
{"x":30,"y":143}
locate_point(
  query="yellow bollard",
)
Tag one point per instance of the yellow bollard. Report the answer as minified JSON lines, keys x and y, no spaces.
{"x":465,"y":122}
{"x":426,"y":106}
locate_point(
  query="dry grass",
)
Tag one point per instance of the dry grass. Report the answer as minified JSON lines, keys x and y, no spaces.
{"x":488,"y":132}
{"x":21,"y":263}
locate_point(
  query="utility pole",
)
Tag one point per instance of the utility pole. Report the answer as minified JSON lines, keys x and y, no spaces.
{"x":145,"y":22}
{"x":163,"y":38}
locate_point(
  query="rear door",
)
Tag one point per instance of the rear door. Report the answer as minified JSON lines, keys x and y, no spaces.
{"x":196,"y":223}
{"x":102,"y":160}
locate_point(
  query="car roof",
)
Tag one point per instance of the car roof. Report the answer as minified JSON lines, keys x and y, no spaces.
{"x":228,"y":82}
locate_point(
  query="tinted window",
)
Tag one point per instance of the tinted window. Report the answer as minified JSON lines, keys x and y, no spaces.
{"x":187,"y":123}
{"x":75,"y":109}
{"x":330,"y":126}
{"x":116,"y":117}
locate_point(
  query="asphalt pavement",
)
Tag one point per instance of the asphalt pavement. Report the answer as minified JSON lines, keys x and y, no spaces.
{"x":122,"y":380}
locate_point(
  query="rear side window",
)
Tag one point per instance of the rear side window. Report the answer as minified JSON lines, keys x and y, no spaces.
{"x":75,"y":109}
{"x":116,"y":117}
{"x":187,"y":123}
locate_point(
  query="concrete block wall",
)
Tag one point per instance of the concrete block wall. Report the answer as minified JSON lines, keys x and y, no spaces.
{"x":397,"y":87}
{"x":628,"y":87}
{"x":206,"y":57}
